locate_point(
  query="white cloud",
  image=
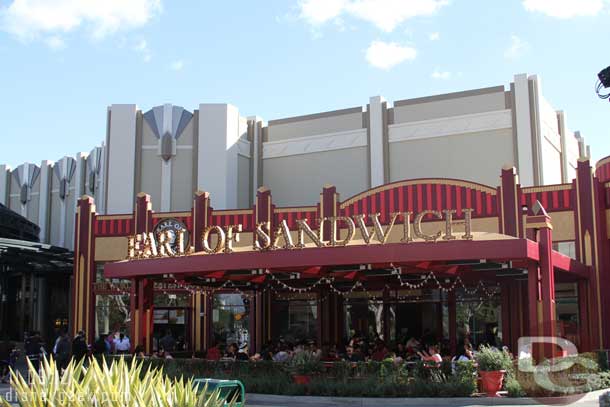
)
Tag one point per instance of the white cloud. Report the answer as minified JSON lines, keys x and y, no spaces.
{"x":565,"y":8}
{"x":31,"y":19}
{"x":142,"y":48}
{"x":384,"y":14}
{"x":55,"y":42}
{"x":435,"y":36}
{"x":438,"y":74}
{"x":177,"y":65}
{"x":386,"y":55}
{"x":516,"y":48}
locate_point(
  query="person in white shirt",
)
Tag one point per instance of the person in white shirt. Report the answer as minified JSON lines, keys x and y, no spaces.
{"x":121,"y":344}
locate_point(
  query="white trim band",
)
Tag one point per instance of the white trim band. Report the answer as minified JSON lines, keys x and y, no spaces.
{"x":448,"y":126}
{"x":315,"y":144}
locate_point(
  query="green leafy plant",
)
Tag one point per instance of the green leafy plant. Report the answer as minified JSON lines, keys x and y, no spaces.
{"x":491,"y":359}
{"x":304,"y":363}
{"x":119,"y":384}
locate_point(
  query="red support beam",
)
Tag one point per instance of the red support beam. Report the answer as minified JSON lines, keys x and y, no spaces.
{"x":492,"y":250}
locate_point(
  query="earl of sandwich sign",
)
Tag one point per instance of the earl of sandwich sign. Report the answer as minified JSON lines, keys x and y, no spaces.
{"x":171,"y":238}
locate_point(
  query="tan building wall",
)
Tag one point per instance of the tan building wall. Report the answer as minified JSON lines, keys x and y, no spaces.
{"x":456,"y":156}
{"x":467,"y":135}
{"x":293,"y":180}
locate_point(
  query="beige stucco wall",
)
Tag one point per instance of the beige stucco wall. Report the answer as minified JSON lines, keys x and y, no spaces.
{"x":446,"y":107}
{"x":110,"y":248}
{"x":151,"y":177}
{"x":243,"y":182}
{"x":55,"y":209}
{"x":314,"y":126}
{"x":34,"y":202}
{"x":563,"y":226}
{"x":14,"y":192}
{"x":298,"y":179}
{"x":182,"y":180}
{"x":473,"y":156}
{"x":551,"y":162}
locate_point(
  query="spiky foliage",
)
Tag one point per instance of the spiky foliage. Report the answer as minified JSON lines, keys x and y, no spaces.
{"x":118,"y":384}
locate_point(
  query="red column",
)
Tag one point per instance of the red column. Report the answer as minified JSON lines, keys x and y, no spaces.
{"x":583,"y":316}
{"x":328,"y":207}
{"x":201,"y":215}
{"x":592,"y":251}
{"x":145,"y":307}
{"x":83,"y":311}
{"x":263,"y":211}
{"x":510,"y":208}
{"x":452,"y":309}
{"x":141,"y":328}
{"x":505,"y":293}
{"x":544,"y":320}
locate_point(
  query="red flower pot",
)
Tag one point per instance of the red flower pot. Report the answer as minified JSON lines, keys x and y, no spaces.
{"x":491,"y":382}
{"x":301,"y":379}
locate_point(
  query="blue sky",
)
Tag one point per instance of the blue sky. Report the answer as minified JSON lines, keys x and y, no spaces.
{"x":62,"y":62}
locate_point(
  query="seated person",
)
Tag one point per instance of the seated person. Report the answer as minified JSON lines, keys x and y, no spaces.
{"x":431,"y":355}
{"x":214,"y":352}
{"x":353,"y":354}
{"x":231,"y":352}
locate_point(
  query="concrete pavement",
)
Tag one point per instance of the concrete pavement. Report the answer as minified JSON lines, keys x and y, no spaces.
{"x":265,"y":400}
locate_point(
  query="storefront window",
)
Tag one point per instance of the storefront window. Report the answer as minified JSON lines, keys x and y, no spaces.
{"x":230,"y":319}
{"x":566,"y":308}
{"x":568,"y":248}
{"x":171,"y":314}
{"x":111,"y":314}
{"x":364,"y":317}
{"x":297,"y":319}
{"x":478,"y":318}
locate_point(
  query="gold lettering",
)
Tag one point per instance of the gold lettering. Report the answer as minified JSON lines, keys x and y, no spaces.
{"x":165,"y":247}
{"x":131,"y":247}
{"x":406,"y":226}
{"x":417,"y":226}
{"x":148,"y":245}
{"x":282,"y":232}
{"x":180,"y":242}
{"x":232,"y":235}
{"x":449,"y":224}
{"x":220,"y":242}
{"x":379,"y":233}
{"x":304,"y":229}
{"x":467,"y":224}
{"x":335,"y":232}
{"x":364,"y":231}
{"x":261,"y":234}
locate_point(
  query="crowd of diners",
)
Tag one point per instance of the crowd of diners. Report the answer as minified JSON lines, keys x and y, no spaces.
{"x":356,"y":349}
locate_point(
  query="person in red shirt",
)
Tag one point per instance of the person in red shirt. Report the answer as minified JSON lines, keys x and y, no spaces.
{"x":380,"y":352}
{"x":214,"y":352}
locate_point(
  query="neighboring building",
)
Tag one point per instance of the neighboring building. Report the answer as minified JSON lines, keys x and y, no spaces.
{"x":34,"y":280}
{"x":170,"y":152}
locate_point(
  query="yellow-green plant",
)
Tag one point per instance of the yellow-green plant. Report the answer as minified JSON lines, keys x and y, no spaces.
{"x":118,"y":384}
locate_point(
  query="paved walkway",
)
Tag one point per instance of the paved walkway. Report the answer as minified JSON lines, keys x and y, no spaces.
{"x":264,"y":400}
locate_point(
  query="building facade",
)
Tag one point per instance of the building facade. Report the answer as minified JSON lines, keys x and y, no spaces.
{"x":170,"y":169}
{"x":169,"y":152}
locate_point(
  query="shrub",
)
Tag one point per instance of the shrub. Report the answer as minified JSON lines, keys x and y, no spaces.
{"x":304,"y":363}
{"x":491,"y":359}
{"x":118,"y":385}
{"x":514,"y":389}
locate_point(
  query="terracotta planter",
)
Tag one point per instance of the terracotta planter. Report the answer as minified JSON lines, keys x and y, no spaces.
{"x":491,"y":382}
{"x":301,"y":379}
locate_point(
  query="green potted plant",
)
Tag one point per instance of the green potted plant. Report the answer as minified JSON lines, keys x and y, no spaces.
{"x":493,"y":364}
{"x":302,"y":366}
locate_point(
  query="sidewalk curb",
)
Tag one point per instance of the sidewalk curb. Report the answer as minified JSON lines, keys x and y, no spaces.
{"x":271,"y":399}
